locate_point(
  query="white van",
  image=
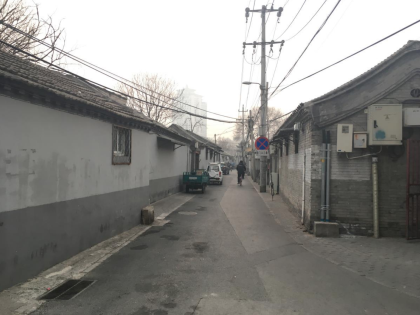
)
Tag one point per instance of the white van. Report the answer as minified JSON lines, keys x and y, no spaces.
{"x":216,"y":173}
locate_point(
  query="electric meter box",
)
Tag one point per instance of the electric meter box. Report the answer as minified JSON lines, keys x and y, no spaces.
{"x":344,"y":138}
{"x":411,"y":117}
{"x":360,"y":140}
{"x":385,"y":124}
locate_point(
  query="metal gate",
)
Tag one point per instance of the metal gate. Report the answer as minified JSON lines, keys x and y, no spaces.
{"x":413,"y":189}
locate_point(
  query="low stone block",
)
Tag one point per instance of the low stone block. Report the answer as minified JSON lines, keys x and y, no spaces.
{"x":326,"y":229}
{"x":147,"y":215}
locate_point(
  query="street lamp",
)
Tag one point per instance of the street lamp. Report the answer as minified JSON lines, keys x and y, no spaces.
{"x":249,"y":83}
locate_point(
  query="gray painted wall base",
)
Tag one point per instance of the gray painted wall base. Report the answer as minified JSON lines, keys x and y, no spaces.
{"x":36,"y":238}
{"x":163,"y":187}
{"x":326,"y":229}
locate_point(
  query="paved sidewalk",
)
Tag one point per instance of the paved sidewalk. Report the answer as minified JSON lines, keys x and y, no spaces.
{"x":392,"y":262}
{"x":23,"y":298}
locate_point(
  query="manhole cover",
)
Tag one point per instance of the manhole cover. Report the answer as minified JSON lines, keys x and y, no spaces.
{"x":67,"y":290}
{"x":187,"y":213}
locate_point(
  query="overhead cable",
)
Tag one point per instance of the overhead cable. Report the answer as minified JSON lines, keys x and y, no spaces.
{"x":106,"y":72}
{"x":277,"y":62}
{"x":242,"y":76}
{"x":250,"y":23}
{"x":307,"y":46}
{"x":107,"y":88}
{"x":308,"y":21}
{"x":353,"y":54}
{"x":292,"y":20}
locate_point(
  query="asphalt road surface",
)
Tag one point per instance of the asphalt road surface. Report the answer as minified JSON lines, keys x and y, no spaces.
{"x":222,"y":253}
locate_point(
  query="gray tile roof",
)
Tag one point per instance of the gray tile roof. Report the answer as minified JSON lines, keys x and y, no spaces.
{"x":73,"y":88}
{"x":63,"y":85}
{"x":411,"y":45}
{"x":195,"y":138}
{"x":337,"y":110}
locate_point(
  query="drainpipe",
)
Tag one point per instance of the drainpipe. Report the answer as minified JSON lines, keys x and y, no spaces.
{"x":303,"y":184}
{"x":327,"y":179}
{"x":375,"y":197}
{"x":323,"y":169}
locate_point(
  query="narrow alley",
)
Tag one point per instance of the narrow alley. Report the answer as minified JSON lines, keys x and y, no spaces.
{"x":222,"y":252}
{"x":209,"y":158}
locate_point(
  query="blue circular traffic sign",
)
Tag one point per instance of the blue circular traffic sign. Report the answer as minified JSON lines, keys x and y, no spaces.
{"x":262,"y":143}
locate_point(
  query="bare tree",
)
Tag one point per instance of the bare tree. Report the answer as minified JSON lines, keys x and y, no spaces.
{"x":227,"y":144}
{"x":17,"y":15}
{"x":154,"y":96}
{"x":193,"y":124}
{"x":274,"y":122}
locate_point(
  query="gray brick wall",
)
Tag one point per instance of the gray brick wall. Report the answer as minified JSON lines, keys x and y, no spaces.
{"x":351,"y":183}
{"x":291,"y":173}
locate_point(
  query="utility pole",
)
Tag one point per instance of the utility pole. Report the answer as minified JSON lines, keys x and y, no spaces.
{"x":243,"y":132}
{"x":215,"y":141}
{"x":263,"y":85}
{"x":251,"y":130}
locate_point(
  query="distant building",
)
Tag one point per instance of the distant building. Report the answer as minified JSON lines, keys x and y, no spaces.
{"x":192,"y":123}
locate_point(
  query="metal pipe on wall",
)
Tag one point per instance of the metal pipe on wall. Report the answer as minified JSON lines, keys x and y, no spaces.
{"x":303,"y":185}
{"x":323,"y":169}
{"x":375,"y":197}
{"x":327,"y":179}
{"x":303,"y":180}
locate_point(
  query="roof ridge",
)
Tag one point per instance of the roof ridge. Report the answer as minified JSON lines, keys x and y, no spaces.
{"x":365,"y":75}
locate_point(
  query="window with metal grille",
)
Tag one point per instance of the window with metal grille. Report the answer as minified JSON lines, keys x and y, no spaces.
{"x":121,"y":145}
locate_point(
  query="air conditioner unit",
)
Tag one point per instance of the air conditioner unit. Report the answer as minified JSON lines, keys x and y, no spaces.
{"x":297,"y":126}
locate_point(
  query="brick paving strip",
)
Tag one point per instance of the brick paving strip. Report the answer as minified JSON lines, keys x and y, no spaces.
{"x":392,"y":262}
{"x":23,"y":298}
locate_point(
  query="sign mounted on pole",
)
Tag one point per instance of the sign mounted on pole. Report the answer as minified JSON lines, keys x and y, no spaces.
{"x":262,"y":143}
{"x":262,"y":152}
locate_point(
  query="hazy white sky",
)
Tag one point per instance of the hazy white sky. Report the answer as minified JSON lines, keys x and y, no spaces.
{"x":199,"y":43}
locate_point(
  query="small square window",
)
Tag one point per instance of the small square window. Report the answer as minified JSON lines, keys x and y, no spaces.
{"x":121,"y":145}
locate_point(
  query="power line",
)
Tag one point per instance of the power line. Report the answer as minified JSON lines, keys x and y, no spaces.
{"x":249,"y":86}
{"x":250,"y":23}
{"x":292,"y":20}
{"x":307,"y":46}
{"x":337,"y":23}
{"x":242,"y":77}
{"x":308,"y":21}
{"x":230,"y":129}
{"x":277,"y":62}
{"x":277,"y":118}
{"x":109,"y":89}
{"x":353,"y":54}
{"x":101,"y":70}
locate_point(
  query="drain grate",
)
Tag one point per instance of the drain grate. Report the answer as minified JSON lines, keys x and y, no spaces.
{"x":67,"y":290}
